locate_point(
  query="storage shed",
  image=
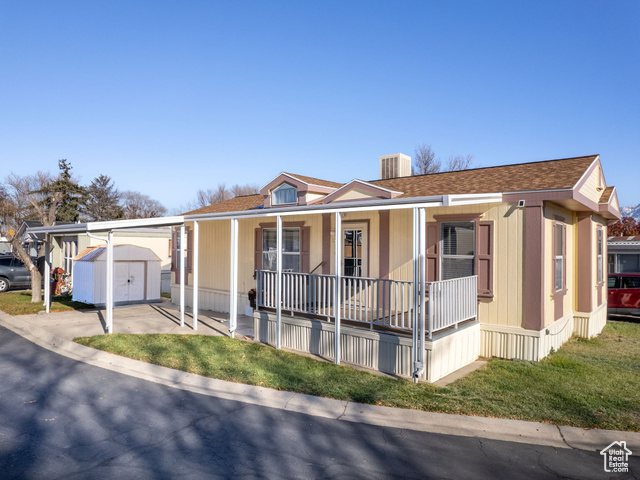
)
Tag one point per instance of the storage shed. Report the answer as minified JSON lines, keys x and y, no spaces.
{"x":136,"y":275}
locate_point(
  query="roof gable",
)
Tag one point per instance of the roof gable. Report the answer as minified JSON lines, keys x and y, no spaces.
{"x":359,"y":190}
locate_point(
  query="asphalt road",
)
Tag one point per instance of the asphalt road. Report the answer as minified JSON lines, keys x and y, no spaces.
{"x":63,"y":419}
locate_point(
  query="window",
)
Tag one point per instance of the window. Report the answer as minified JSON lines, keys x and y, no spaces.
{"x":614,"y":282}
{"x":69,"y":250}
{"x":558,"y":248}
{"x":600,"y":247}
{"x":290,"y":249}
{"x":458,"y":250}
{"x":628,"y":263}
{"x":630,"y":282}
{"x":284,"y":194}
{"x":352,"y":253}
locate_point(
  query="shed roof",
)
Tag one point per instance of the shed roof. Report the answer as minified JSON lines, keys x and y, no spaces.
{"x":121,"y":253}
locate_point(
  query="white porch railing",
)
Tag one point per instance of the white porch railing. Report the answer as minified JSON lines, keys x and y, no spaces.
{"x":371,"y":301}
{"x":451,"y":302}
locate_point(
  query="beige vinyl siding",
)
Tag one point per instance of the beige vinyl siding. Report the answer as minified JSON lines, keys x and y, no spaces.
{"x":594,"y":181}
{"x":215,"y":245}
{"x":506,"y":306}
{"x":614,"y":203}
{"x":504,"y":309}
{"x":550,"y":211}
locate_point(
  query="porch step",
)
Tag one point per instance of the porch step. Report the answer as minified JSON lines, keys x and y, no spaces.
{"x":461,"y":372}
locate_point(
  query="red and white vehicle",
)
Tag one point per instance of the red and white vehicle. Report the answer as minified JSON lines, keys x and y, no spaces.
{"x":624,"y":293}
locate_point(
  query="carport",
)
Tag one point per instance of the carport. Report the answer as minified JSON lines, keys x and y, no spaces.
{"x":90,"y":229}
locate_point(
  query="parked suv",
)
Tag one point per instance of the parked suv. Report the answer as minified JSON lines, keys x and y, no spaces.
{"x":624,"y":293}
{"x":13,"y":273}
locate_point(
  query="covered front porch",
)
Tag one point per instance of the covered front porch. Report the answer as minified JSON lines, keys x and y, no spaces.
{"x":379,"y":321}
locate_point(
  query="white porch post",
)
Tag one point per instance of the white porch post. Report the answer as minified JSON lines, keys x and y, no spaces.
{"x":279,"y":282}
{"x":233,"y":279}
{"x":337,"y":297}
{"x":109,"y":296}
{"x":196,"y":234}
{"x":415,"y":299}
{"x":422,"y":241}
{"x":181,"y":258}
{"x":419,"y":297}
{"x":47,"y":272}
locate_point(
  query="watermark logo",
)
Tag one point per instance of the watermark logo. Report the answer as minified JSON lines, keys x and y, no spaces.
{"x":616,"y":457}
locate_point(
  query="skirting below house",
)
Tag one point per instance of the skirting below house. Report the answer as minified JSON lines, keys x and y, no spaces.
{"x":518,"y":343}
{"x":381,"y":351}
{"x":589,"y":325}
{"x":208,"y":298}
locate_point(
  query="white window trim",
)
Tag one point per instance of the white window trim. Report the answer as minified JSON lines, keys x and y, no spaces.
{"x":284,"y":186}
{"x":298,"y":253}
{"x":600,"y":255}
{"x":560,"y":257}
{"x":464,"y":257}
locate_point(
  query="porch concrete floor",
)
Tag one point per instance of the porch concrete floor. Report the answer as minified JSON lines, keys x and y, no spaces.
{"x":147,"y":318}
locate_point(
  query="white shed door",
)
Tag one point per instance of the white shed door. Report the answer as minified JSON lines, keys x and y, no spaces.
{"x":136,"y":281}
{"x":120,"y":282}
{"x":128,"y":281}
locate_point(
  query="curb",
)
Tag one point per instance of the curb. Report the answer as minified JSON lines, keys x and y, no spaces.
{"x":518,"y":431}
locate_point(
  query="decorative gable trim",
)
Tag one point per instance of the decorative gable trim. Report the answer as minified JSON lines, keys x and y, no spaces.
{"x":302,"y":186}
{"x":374,"y":191}
{"x":611,"y":208}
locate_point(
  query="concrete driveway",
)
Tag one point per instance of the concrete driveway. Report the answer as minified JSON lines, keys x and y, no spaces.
{"x":148,"y":318}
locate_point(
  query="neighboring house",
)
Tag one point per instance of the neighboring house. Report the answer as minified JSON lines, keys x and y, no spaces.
{"x":31,"y":242}
{"x":512,"y":257}
{"x":624,"y":254}
{"x":5,"y":246}
{"x":66,"y":247}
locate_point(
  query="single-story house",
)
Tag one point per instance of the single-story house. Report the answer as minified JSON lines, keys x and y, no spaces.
{"x":411,"y":275}
{"x":624,"y":254}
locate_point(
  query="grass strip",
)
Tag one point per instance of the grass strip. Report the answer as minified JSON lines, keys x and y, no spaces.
{"x":18,"y":302}
{"x":587,"y":383}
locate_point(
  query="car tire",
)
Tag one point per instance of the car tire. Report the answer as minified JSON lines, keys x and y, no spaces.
{"x":4,"y":284}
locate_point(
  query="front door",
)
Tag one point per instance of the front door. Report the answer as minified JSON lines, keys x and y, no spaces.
{"x":353,"y":253}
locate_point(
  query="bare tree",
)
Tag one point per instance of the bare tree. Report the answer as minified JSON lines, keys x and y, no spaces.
{"x":459,"y":162}
{"x":248,"y":189}
{"x":220,"y":193}
{"x":24,"y":198}
{"x":425,"y":161}
{"x":138,"y":205}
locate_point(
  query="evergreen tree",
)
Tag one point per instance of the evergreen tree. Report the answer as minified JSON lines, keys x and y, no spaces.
{"x":70,"y":195}
{"x":102,"y":201}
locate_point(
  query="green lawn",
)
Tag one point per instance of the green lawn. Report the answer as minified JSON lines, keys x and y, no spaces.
{"x":587,"y":383}
{"x":18,"y":302}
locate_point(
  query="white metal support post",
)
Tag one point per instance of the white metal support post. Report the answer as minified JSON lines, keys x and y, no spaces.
{"x":196,"y":242}
{"x":416,"y":293}
{"x":419,"y":297}
{"x":47,"y":272}
{"x":181,"y":273}
{"x":422,"y":250}
{"x":109,"y":298}
{"x":279,"y":282}
{"x":337,"y":296}
{"x":233,"y":278}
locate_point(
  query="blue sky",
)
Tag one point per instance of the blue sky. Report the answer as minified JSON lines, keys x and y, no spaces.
{"x":168,"y":97}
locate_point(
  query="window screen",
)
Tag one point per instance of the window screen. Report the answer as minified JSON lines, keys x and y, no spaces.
{"x":458,"y":250}
{"x":559,"y":258}
{"x":290,"y":249}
